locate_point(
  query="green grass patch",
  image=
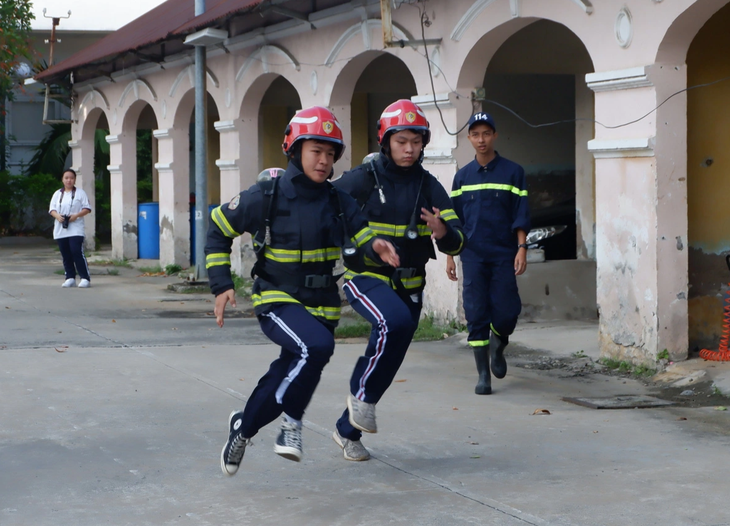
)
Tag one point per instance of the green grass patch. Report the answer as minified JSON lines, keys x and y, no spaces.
{"x":664,"y":355}
{"x":156,"y":269}
{"x":112,"y":271}
{"x":360,"y":329}
{"x":643,"y":370}
{"x":628,"y":368}
{"x":242,"y":285}
{"x":172,"y":269}
{"x":429,"y":330}
{"x":112,"y":263}
{"x":60,"y":272}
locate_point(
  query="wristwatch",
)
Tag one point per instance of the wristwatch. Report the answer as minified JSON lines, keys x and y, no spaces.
{"x":522,"y":245}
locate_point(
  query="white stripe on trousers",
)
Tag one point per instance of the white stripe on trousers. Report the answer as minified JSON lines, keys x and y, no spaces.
{"x":303,"y":360}
{"x":382,"y":337}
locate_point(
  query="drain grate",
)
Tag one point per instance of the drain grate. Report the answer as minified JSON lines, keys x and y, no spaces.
{"x":619,"y":402}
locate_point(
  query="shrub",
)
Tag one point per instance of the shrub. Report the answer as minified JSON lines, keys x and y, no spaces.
{"x":24,"y":203}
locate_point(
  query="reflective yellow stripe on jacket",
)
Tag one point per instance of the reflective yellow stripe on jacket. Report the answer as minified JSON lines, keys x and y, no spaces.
{"x":282,"y":255}
{"x":213,"y":260}
{"x":363,"y":236}
{"x":489,"y":186}
{"x":386,"y":229}
{"x":220,"y":220}
{"x":277,"y":296}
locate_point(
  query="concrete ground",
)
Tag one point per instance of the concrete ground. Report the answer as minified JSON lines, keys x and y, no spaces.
{"x":115,"y":402}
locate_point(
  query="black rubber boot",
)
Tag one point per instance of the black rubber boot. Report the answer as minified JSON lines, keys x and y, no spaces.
{"x":484,"y":385}
{"x":497,"y":345}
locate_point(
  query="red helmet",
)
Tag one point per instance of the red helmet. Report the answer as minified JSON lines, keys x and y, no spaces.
{"x":314,"y":123}
{"x":403,"y":115}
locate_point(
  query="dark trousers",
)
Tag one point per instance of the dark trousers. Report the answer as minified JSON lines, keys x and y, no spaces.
{"x":394,"y":319}
{"x":306,"y":347}
{"x":491,"y":299}
{"x":74,"y":260}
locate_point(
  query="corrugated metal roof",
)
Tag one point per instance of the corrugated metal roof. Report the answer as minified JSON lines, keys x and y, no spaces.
{"x":169,"y":21}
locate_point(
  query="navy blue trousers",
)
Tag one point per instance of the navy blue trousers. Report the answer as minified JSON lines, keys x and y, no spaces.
{"x":74,"y":260}
{"x":394,"y":319}
{"x":306,"y":347}
{"x":491,"y":299}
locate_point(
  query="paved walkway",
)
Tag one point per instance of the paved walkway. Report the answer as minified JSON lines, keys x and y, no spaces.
{"x":115,"y":400}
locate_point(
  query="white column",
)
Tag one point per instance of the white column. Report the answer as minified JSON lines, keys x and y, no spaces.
{"x":234,"y":179}
{"x":82,"y":162}
{"x":174,"y":190}
{"x":641,"y":214}
{"x":123,"y":175}
{"x":585,"y":191}
{"x":442,"y":297}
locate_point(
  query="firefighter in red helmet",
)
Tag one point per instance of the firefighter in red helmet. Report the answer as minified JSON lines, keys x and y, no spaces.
{"x":300,"y":224}
{"x":408,"y":206}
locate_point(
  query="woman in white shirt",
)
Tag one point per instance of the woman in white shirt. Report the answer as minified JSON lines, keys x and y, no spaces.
{"x":68,"y":207}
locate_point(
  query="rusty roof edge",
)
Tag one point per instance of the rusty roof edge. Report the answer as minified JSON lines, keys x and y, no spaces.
{"x":235,"y":42}
{"x":57,"y":72}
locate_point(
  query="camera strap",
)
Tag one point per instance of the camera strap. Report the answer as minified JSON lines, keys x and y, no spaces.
{"x":63,"y":191}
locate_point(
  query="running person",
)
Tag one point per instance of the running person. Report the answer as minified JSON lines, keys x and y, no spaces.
{"x":300,"y":224}
{"x":408,"y":206}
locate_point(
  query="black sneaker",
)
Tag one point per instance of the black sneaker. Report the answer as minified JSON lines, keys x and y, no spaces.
{"x":235,"y":447}
{"x":289,"y":442}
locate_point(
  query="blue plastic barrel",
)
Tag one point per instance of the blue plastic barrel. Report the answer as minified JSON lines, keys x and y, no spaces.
{"x":148,"y":231}
{"x":192,"y":230}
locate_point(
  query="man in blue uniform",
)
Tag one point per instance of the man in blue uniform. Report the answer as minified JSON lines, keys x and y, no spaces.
{"x":407,"y":205}
{"x":490,"y":197}
{"x":300,"y":223}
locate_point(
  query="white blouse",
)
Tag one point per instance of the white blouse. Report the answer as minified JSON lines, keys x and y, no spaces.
{"x":66,"y":203}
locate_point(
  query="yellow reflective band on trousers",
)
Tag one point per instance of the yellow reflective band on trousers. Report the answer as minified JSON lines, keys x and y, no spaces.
{"x":213,"y":260}
{"x":363,"y":236}
{"x":302,"y":256}
{"x":489,"y":186}
{"x":478,"y":343}
{"x":386,"y":229}
{"x":408,"y":283}
{"x":220,"y":220}
{"x":276,"y":296}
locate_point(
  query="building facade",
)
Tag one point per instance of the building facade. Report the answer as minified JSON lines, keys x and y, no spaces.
{"x":591,"y":98}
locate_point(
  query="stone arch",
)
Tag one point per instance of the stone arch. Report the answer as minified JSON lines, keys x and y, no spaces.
{"x":85,"y":113}
{"x":261,"y":56}
{"x":537,"y":68}
{"x":364,"y":28}
{"x":137,"y":88}
{"x":263,"y":123}
{"x":680,"y":34}
{"x":189,"y":74}
{"x":358,"y":111}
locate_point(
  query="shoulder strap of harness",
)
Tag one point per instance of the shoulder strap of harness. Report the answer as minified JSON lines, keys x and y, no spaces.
{"x":268,"y":193}
{"x":369,"y":183}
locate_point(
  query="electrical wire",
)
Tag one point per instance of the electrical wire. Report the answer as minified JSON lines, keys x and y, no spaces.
{"x":475,"y":102}
{"x":424,"y":20}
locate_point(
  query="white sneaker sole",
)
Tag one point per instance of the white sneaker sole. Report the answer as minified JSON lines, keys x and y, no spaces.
{"x":224,"y":466}
{"x":338,"y":440}
{"x":289,"y":453}
{"x":355,"y":424}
